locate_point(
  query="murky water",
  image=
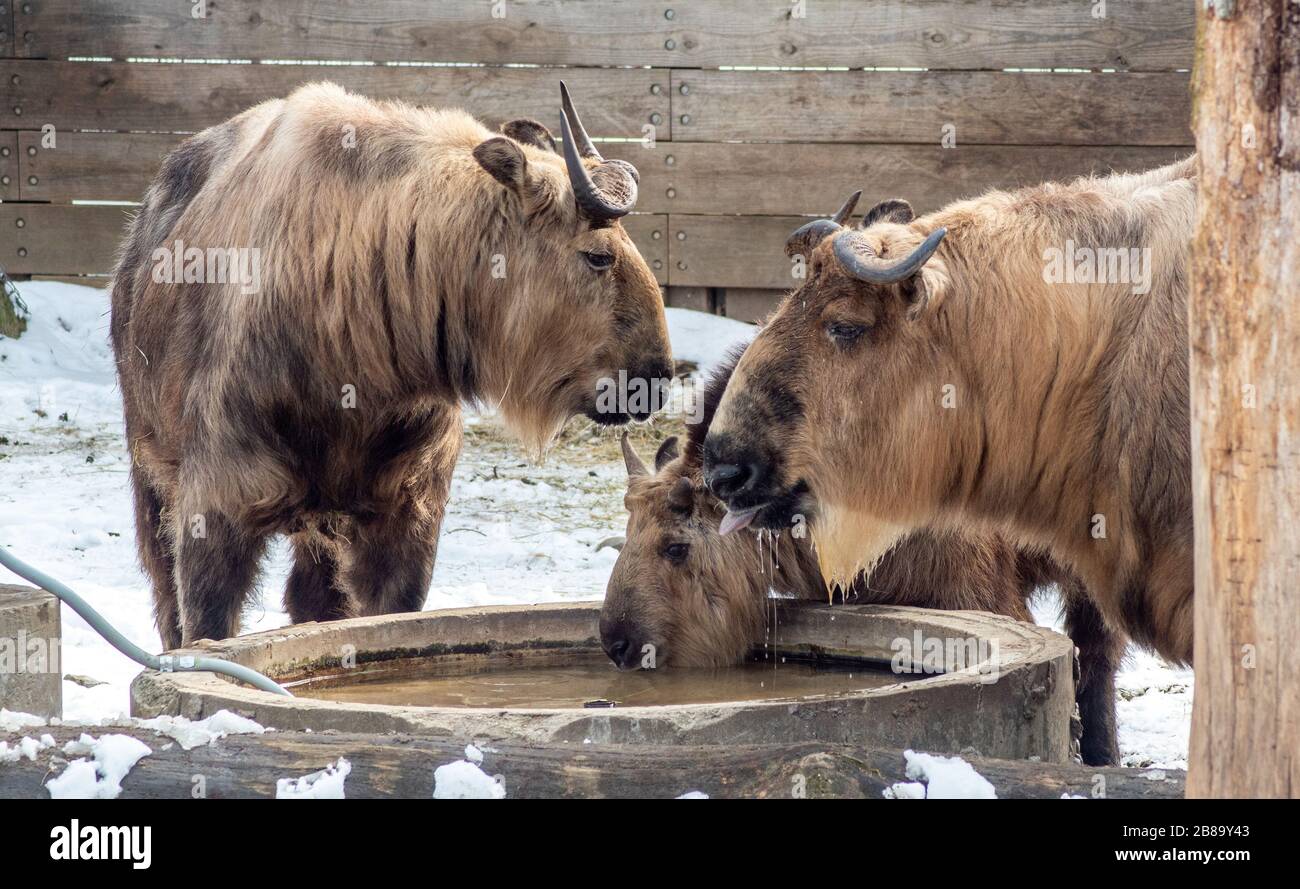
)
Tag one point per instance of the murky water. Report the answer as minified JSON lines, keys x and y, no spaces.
{"x":594,"y":683}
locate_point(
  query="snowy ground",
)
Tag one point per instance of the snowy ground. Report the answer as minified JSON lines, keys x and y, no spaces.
{"x":514,"y":532}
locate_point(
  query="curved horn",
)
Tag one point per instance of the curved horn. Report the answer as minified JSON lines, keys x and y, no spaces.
{"x":583,"y":141}
{"x":632,"y":460}
{"x":844,"y":212}
{"x":878,"y":272}
{"x":594,"y":202}
{"x":810,"y":234}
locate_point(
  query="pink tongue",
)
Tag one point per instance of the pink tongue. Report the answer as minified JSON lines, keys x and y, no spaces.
{"x":734,"y":521}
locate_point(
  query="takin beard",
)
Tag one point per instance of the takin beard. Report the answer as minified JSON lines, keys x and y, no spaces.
{"x":850,"y":542}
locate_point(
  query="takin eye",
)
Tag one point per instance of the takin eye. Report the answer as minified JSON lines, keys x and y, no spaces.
{"x":677,"y":552}
{"x":598,"y":261}
{"x":845,"y":333}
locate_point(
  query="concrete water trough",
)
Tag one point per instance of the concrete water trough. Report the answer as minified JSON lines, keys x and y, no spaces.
{"x":829,"y":673}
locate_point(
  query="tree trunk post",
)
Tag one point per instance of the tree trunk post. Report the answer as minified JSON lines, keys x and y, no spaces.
{"x":1244,"y":323}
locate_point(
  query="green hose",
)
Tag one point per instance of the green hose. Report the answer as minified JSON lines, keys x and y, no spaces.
{"x":162,"y":663}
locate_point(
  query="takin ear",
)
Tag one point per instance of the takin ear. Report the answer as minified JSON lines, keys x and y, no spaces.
{"x":529,"y":132}
{"x":682,"y":497}
{"x":894,"y":210}
{"x":502,"y":158}
{"x":667,"y":452}
{"x":924,"y":291}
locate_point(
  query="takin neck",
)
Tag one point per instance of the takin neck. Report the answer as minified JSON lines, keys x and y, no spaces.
{"x":1080,"y":386}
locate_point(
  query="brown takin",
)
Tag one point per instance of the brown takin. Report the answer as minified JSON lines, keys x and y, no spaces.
{"x":1017,"y":363}
{"x":310,"y":292}
{"x":700,"y":598}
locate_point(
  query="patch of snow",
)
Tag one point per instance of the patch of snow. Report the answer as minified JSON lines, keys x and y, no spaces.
{"x":113,"y":757}
{"x":693,"y":794}
{"x":325,"y":784}
{"x":1154,"y":703}
{"x":473,"y":754}
{"x":703,"y":338}
{"x":190,"y":734}
{"x":1072,"y":796}
{"x":25,"y":746}
{"x":11,"y":721}
{"x":947,"y":777}
{"x":904,"y":790}
{"x":464,"y":780}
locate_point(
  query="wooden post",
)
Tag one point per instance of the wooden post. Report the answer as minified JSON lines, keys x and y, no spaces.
{"x":1245,"y":396}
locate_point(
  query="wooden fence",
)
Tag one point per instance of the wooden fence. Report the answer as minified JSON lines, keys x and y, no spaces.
{"x":761,"y":112}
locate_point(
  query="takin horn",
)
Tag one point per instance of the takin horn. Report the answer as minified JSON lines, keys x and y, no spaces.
{"x":810,"y":234}
{"x":615,"y":196}
{"x":631,"y":459}
{"x":876,"y":270}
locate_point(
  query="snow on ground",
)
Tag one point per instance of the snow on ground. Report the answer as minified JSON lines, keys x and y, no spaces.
{"x":515,"y":532}
{"x":328,"y":783}
{"x":940,"y":777}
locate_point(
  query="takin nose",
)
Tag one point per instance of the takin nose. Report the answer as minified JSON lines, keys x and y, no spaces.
{"x":730,"y":472}
{"x":658,"y":375}
{"x":619,"y":645}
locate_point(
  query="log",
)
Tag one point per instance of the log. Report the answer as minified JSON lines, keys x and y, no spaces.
{"x":402,"y":766}
{"x":1245,"y":399}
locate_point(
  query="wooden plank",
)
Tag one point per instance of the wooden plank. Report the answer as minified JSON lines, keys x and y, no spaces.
{"x":937,"y":34}
{"x":968,"y":34}
{"x":7,"y":49}
{"x":9,"y":166}
{"x":63,"y":239}
{"x":650,"y":234}
{"x":921,"y":107}
{"x":187,"y":98}
{"x":731,"y":251}
{"x":91,"y":166}
{"x":60,"y":239}
{"x":751,"y":304}
{"x":792,"y":178}
{"x":402,"y":766}
{"x":99,"y":281}
{"x":556,"y":32}
{"x":681,"y":177}
{"x":698,"y":299}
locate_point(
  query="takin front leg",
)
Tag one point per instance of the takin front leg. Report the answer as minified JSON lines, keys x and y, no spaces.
{"x":312,"y":591}
{"x":1100,"y":653}
{"x":389,"y":561}
{"x":217,"y":563}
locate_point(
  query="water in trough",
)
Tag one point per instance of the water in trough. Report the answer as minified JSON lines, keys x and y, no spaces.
{"x":592,"y":682}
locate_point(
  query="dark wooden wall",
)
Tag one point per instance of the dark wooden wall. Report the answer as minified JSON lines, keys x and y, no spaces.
{"x":762,"y":112}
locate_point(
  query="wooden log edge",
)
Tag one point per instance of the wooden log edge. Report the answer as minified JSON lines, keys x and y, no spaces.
{"x":402,"y":766}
